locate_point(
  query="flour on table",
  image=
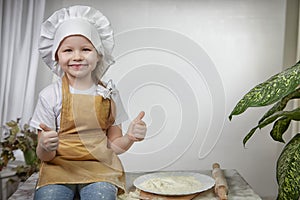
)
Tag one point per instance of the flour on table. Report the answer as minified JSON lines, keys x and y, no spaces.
{"x":171,"y":185}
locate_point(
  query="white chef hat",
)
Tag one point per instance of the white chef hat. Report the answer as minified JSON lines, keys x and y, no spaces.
{"x":76,"y":20}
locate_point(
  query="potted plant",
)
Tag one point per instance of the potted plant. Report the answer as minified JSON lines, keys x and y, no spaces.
{"x":20,"y":137}
{"x":280,"y":89}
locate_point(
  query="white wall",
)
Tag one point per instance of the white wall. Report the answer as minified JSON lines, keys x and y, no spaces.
{"x":187,"y":63}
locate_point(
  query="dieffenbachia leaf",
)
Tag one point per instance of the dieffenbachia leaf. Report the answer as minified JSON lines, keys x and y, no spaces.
{"x":270,"y":91}
{"x":279,"y":106}
{"x":279,"y":128}
{"x":291,"y":115}
{"x":288,"y":171}
{"x":249,"y":135}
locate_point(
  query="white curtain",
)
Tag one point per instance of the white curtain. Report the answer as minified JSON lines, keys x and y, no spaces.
{"x":19,"y":32}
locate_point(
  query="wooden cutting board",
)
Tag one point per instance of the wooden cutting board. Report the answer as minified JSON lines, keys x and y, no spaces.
{"x":152,"y":196}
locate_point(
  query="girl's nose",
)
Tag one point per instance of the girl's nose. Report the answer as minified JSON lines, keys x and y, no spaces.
{"x":77,"y":55}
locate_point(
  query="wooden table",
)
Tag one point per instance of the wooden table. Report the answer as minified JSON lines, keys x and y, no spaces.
{"x":238,"y":187}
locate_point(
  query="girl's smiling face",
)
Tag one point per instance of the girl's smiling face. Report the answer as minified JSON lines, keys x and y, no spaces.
{"x":77,"y":57}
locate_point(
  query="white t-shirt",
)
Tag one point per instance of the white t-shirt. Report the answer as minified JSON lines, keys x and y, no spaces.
{"x":48,"y":108}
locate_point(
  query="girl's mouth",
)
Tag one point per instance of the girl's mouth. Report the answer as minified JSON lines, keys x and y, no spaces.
{"x":77,"y":66}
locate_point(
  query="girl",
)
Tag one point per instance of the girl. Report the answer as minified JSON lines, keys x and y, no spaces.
{"x":79,"y":117}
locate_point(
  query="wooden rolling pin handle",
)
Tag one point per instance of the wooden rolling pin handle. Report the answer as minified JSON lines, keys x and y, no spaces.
{"x":221,"y":188}
{"x":216,"y":165}
{"x":222,"y":192}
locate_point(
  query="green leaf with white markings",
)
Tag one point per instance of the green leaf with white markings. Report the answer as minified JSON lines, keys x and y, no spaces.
{"x":288,"y":171}
{"x":270,"y":91}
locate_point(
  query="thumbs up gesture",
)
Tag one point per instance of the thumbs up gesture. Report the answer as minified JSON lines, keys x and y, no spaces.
{"x":137,"y":128}
{"x":48,"y":138}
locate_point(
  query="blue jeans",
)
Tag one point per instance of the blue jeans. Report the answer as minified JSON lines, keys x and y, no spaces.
{"x":92,"y":191}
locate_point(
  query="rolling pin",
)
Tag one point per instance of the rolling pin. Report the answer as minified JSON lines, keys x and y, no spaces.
{"x":221,"y":187}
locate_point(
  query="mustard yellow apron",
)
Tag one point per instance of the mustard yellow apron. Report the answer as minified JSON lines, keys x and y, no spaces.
{"x":82,"y":155}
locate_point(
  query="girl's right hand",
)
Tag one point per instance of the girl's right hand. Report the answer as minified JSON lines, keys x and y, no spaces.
{"x":48,"y":138}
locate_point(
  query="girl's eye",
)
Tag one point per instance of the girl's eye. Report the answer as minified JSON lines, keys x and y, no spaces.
{"x":67,"y":50}
{"x":86,"y":49}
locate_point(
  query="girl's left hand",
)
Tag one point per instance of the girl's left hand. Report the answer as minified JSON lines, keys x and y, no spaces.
{"x":137,"y":128}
